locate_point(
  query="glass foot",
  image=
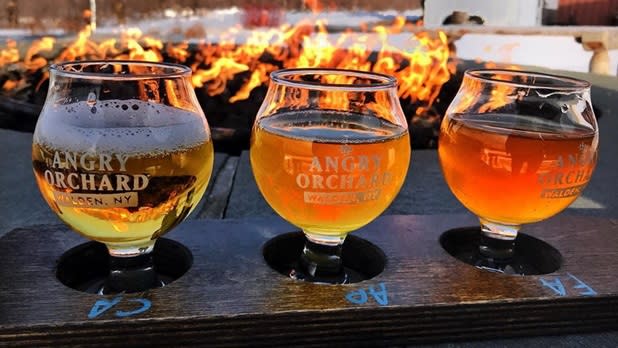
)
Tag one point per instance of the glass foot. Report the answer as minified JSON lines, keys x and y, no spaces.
{"x":103,"y":286}
{"x":86,"y":268}
{"x":361,"y":260}
{"x":530,"y":256}
{"x":321,"y":263}
{"x":300,"y":273}
{"x":131,"y":274}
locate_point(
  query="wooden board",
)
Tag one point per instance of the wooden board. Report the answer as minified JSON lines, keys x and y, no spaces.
{"x":230,"y":297}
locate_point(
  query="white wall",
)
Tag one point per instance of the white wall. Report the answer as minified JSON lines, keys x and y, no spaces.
{"x":554,"y":52}
{"x":494,"y":12}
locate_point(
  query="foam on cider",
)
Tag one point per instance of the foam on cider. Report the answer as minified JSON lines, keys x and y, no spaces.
{"x":117,"y":126}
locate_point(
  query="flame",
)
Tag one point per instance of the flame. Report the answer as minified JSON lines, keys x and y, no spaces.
{"x":179,"y":53}
{"x":82,"y":47}
{"x":32,"y":61}
{"x":420,"y":71}
{"x":258,"y":77}
{"x":499,"y":97}
{"x":10,"y":54}
{"x":502,"y":93}
{"x":10,"y":85}
{"x":222,"y":70}
{"x":314,"y":5}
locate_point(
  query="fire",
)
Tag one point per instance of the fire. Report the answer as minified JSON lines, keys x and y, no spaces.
{"x":314,"y":5}
{"x":420,"y":71}
{"x":501,"y":94}
{"x":10,"y":54}
{"x":31,"y":61}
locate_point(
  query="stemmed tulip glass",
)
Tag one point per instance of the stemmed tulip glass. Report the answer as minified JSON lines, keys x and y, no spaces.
{"x":330,"y":150}
{"x":516,"y":148}
{"x":122,"y":153}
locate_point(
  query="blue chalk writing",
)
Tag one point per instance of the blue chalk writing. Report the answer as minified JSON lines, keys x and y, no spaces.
{"x":588,"y":291}
{"x":381,"y":296}
{"x":145,"y":306}
{"x":359,"y":296}
{"x":555,"y":285}
{"x":101,"y":306}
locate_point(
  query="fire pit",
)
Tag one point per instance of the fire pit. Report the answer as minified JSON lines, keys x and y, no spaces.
{"x":230,"y":74}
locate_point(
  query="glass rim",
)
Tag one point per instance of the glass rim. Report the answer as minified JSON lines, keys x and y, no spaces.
{"x":566,"y":83}
{"x":383,"y":81}
{"x":175,"y":70}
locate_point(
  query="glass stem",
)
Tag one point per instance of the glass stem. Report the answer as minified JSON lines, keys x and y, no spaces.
{"x":497,"y":241}
{"x":321,"y":259}
{"x":129,"y":274}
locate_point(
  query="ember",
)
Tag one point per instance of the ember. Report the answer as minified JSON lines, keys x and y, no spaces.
{"x":230,"y":72}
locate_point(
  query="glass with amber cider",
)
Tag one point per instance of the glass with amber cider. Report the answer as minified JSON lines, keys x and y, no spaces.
{"x":516,"y":148}
{"x":330,"y":150}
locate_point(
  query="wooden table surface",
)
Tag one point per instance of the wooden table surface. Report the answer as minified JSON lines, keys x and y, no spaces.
{"x":231,"y":297}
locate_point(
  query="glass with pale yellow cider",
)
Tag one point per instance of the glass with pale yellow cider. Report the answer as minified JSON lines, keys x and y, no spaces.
{"x":122,"y":153}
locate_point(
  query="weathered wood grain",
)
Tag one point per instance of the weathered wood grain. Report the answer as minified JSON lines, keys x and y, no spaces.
{"x":216,"y":200}
{"x":207,"y":200}
{"x":230,"y":297}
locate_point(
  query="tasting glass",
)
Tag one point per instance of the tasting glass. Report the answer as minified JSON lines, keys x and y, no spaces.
{"x":122,"y":153}
{"x":330,"y":150}
{"x":516,"y":148}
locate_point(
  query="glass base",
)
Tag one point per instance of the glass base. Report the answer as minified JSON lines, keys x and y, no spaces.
{"x":320,"y":260}
{"x":361,"y":260}
{"x":132,"y":251}
{"x":326,"y":240}
{"x":302,"y":273}
{"x":101,"y":286}
{"x":530,"y":256}
{"x":130,"y":274}
{"x":86,"y":268}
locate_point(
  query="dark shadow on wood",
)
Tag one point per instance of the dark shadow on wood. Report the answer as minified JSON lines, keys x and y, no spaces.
{"x":361,"y":259}
{"x":85,"y":266}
